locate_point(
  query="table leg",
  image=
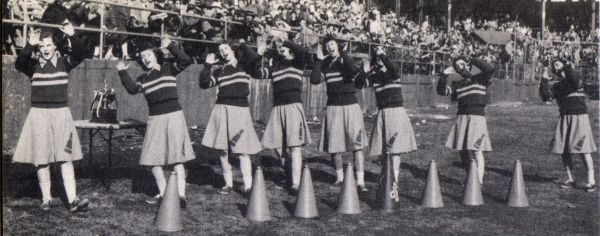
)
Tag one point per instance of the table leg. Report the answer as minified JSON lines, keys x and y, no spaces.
{"x":90,"y":133}
{"x":110,"y":134}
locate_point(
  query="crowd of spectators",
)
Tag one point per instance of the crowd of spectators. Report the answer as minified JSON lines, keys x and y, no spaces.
{"x":300,"y":21}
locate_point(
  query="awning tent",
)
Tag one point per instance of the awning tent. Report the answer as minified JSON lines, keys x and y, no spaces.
{"x":493,"y":37}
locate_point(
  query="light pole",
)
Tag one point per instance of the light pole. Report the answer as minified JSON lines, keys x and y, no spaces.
{"x":449,"y":18}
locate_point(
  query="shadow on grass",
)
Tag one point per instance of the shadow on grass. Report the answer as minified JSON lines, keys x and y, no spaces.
{"x":331,"y":204}
{"x":289,"y":206}
{"x":422,"y":174}
{"x":527,"y":177}
{"x":322,"y":176}
{"x":242,"y":208}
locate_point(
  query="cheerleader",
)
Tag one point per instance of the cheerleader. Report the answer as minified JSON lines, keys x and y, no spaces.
{"x":469,"y":134}
{"x":392,"y":134}
{"x":287,"y":130}
{"x":167,"y":141}
{"x":573,"y":133}
{"x":230,"y":128}
{"x":49,"y":135}
{"x":343,"y":129}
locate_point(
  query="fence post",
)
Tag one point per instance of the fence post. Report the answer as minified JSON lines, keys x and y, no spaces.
{"x":433,"y":64}
{"x":101,"y":46}
{"x":225,"y":30}
{"x":26,"y":16}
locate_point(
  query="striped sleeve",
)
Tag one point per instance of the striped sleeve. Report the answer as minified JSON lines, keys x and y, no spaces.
{"x":131,"y":86}
{"x":207,"y":78}
{"x":442,"y":88}
{"x":317,"y":76}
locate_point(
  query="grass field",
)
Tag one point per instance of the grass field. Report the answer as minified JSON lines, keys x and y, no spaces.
{"x":517,"y":133}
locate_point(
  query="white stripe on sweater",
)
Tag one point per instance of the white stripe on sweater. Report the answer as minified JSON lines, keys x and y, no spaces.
{"x":478,"y":86}
{"x":233,"y":75}
{"x":289,"y":69}
{"x":157,"y":87}
{"x":387,"y":86}
{"x":51,"y":82}
{"x":285,"y":76}
{"x":49,"y":76}
{"x":164,"y":78}
{"x":460,"y":95}
{"x":240,"y":80}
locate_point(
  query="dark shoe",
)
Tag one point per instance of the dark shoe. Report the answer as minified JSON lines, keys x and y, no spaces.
{"x":568,"y":185}
{"x":362,"y":188}
{"x":590,"y":187}
{"x":294,"y":190}
{"x":45,"y":205}
{"x":244,"y":191}
{"x":78,"y":204}
{"x":183,"y":202}
{"x":226,"y":190}
{"x":154,"y":200}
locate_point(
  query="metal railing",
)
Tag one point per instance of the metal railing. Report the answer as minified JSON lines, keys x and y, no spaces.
{"x":407,"y":57}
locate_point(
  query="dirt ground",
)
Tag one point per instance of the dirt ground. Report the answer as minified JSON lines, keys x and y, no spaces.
{"x":518,"y":132}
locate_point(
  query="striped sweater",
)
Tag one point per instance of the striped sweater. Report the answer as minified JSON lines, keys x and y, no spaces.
{"x":159,"y":86}
{"x":568,"y":92}
{"x":339,"y":75}
{"x":232,"y":81}
{"x":471,"y":93}
{"x":49,"y":79}
{"x":286,"y":76}
{"x":385,"y":81}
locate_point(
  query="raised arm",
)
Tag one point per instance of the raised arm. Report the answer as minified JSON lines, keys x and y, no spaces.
{"x":364,"y":78}
{"x":573,"y":81}
{"x":182,"y":60}
{"x":25,"y":60}
{"x":300,"y":54}
{"x":442,"y":87}
{"x":207,"y":78}
{"x":351,"y":71}
{"x":316,"y":75}
{"x":251,"y":61}
{"x":131,"y":86}
{"x":487,"y":70}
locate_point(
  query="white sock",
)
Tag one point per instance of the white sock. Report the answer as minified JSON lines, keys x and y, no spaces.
{"x":396,"y":167}
{"x":227,"y":174}
{"x":360,"y":177}
{"x":296,"y":169}
{"x":340,"y":175}
{"x":480,"y":165}
{"x":246,"y":169}
{"x":68,"y":176}
{"x":159,"y":176}
{"x":180,"y":170}
{"x":589,"y":164}
{"x":43,"y":175}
